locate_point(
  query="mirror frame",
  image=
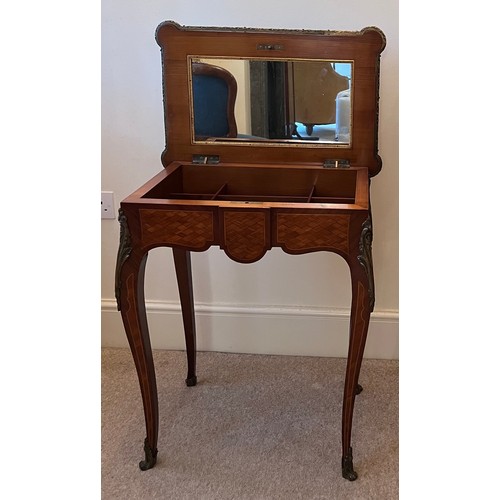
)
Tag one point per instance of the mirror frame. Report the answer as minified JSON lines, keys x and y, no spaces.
{"x":180,"y":43}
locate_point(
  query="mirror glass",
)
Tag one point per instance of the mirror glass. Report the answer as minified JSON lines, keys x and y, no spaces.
{"x":271,"y":100}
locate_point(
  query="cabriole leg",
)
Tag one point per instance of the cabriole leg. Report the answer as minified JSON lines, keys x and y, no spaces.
{"x":182,"y":260}
{"x":130,"y":299}
{"x":361,"y":306}
{"x":359,"y":329}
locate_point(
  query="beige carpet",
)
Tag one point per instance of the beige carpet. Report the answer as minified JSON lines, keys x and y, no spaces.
{"x":254,"y":428}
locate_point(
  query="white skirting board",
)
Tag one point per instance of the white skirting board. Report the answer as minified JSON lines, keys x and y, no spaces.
{"x":295,"y":331}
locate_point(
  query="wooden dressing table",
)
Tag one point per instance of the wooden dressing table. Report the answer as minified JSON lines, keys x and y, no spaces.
{"x":247,"y":193}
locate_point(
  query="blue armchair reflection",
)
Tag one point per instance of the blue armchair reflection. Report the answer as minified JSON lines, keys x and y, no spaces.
{"x":214,"y":96}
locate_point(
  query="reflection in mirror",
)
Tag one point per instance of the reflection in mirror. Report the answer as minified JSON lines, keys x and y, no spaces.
{"x":304,"y":101}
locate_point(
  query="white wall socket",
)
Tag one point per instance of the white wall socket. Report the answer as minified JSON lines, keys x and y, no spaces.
{"x":107,"y":205}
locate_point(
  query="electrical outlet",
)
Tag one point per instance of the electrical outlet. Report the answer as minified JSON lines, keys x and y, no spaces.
{"x":107,"y":205}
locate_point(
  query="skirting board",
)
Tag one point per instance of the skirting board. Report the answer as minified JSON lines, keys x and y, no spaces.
{"x":294,"y":331}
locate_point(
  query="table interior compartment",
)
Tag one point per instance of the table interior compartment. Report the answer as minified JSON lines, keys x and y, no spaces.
{"x":259,"y":184}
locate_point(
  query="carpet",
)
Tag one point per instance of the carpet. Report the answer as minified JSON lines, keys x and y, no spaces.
{"x":255,"y":427}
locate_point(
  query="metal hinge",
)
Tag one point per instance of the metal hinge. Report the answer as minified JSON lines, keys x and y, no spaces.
{"x":206,"y":160}
{"x":336,"y":164}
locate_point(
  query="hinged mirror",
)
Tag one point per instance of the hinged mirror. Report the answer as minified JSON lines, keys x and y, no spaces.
{"x":290,"y":95}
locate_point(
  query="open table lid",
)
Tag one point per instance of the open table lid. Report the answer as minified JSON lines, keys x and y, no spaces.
{"x":183,"y":47}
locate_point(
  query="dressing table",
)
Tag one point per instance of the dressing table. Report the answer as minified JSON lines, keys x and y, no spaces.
{"x":254,"y":182}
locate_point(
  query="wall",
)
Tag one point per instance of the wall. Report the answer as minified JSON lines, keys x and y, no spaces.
{"x":281,"y":304}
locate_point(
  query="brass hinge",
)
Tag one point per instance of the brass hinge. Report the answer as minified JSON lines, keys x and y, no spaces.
{"x":336,"y":164}
{"x":206,"y":159}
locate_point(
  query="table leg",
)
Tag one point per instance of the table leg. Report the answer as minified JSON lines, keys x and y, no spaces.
{"x":361,"y":307}
{"x":133,"y":313}
{"x":129,"y":289}
{"x":182,"y":261}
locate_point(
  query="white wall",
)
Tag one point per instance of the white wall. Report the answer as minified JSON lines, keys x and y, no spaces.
{"x":310,"y":293}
